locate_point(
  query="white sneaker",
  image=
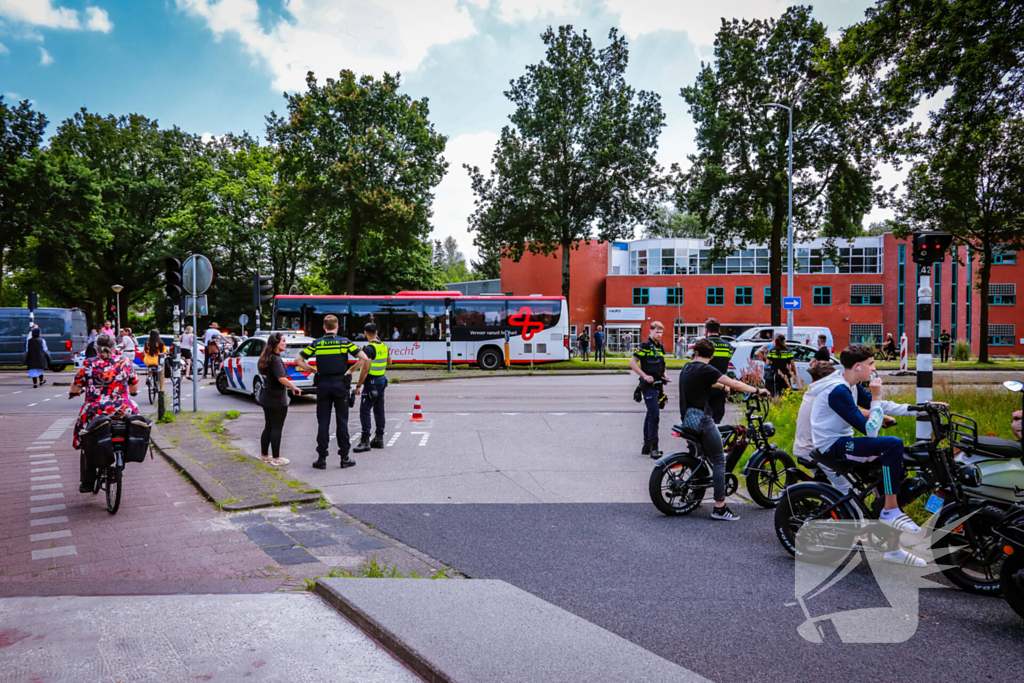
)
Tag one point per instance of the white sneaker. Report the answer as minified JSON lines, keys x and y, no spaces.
{"x":899,"y":521}
{"x":901,"y":556}
{"x":278,"y":462}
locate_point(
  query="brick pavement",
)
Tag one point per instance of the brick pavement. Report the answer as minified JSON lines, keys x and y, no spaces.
{"x":164,"y":529}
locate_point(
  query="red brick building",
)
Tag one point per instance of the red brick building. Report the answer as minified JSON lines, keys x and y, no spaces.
{"x":625,"y":285}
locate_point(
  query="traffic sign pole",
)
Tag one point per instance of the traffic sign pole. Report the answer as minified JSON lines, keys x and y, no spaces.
{"x":924,"y":349}
{"x":195,"y":332}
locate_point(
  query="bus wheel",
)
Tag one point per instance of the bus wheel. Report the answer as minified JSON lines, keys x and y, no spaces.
{"x":489,"y":359}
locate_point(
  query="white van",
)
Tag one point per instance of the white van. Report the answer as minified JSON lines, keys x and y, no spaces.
{"x":801,"y":335}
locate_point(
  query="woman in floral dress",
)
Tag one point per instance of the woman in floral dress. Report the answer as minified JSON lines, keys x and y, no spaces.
{"x":109,"y":382}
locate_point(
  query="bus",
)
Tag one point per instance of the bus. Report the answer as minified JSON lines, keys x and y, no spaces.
{"x":415,"y":325}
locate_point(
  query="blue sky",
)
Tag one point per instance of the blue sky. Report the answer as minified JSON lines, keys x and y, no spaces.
{"x":218,"y":66}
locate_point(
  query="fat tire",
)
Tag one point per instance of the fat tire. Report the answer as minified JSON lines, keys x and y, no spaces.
{"x":1012,"y":581}
{"x":113,"y":489}
{"x":799,"y":502}
{"x":689,"y":465}
{"x":981,"y":524}
{"x":779,"y":462}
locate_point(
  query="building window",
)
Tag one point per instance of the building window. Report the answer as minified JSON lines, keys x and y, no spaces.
{"x":1007,"y":258}
{"x":1001,"y":335}
{"x":744,"y":296}
{"x":866,"y":334}
{"x":865,"y":295}
{"x":641,"y":296}
{"x":1002,"y":295}
{"x":674,"y":296}
{"x":716,"y":296}
{"x":822,"y":296}
{"x":767,"y":296}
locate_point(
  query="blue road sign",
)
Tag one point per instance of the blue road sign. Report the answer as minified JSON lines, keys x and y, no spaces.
{"x":791,"y":303}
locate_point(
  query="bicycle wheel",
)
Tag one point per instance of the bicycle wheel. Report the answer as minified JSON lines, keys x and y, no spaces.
{"x":97,"y":480}
{"x":829,"y":536}
{"x":768,"y":478}
{"x":669,"y":485}
{"x":151,"y":388}
{"x":113,"y":489}
{"x":973,"y":569}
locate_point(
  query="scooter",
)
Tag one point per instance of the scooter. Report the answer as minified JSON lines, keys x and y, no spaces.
{"x":999,"y":461}
{"x":1011,"y":530}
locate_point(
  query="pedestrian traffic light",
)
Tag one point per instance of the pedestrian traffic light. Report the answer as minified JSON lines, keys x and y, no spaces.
{"x":930,"y":247}
{"x":260,"y":286}
{"x":111,"y":313}
{"x":173,"y":279}
{"x":33,"y":301}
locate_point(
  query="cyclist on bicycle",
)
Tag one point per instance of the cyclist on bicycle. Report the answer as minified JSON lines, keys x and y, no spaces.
{"x":212,"y":341}
{"x":153,"y":348}
{"x":109,"y":381}
{"x":835,"y":416}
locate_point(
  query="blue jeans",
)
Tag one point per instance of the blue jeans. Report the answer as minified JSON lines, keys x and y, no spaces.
{"x":886,"y":449}
{"x":653,"y":418}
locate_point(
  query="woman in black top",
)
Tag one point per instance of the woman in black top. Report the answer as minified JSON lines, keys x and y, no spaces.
{"x":696,"y":380}
{"x":35,"y":358}
{"x":273,"y":397}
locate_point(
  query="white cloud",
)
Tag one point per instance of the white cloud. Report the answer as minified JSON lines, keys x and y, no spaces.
{"x":327,"y":36}
{"x":700,"y":21}
{"x":453,"y":200}
{"x":97,"y":20}
{"x":4,"y":50}
{"x":43,"y":13}
{"x":12,"y":97}
{"x":44,"y":57}
{"x":526,"y":10}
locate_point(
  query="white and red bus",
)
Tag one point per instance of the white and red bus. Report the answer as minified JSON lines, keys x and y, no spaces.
{"x":415,"y":325}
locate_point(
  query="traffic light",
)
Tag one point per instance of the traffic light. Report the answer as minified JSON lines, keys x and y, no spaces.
{"x":111,"y":313}
{"x":930,"y":247}
{"x":33,"y":301}
{"x":173,"y":279}
{"x":260,"y":286}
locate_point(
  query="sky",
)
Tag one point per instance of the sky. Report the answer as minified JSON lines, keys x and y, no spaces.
{"x":216,"y":66}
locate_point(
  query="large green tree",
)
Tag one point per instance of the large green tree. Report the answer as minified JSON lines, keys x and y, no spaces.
{"x":969,"y":182}
{"x":359,"y":163}
{"x":738,"y":182}
{"x":672,"y":223}
{"x":578,"y":157}
{"x":450,"y":261}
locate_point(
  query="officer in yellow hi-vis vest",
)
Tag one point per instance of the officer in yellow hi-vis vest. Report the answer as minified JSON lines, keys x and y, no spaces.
{"x":778,"y":376}
{"x":720,"y":361}
{"x":648,"y":361}
{"x":373,"y":398}
{"x":333,"y":378}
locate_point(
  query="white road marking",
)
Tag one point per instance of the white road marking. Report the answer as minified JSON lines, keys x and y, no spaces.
{"x":47,"y":508}
{"x":40,"y":441}
{"x":49,"y":535}
{"x":463,"y":414}
{"x":47,"y":553}
{"x":43,"y":462}
{"x":41,"y":455}
{"x":394,"y":439}
{"x":45,"y":399}
{"x":423,"y":439}
{"x":46,"y":496}
{"x":510,"y":413}
{"x":32,"y":404}
{"x":15,"y":392}
{"x":37,"y":448}
{"x":36,"y":470}
{"x":47,"y":520}
{"x":43,"y":487}
{"x":559,"y":414}
{"x":45,"y":477}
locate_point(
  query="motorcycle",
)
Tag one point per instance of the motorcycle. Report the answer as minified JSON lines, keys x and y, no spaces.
{"x":679,"y":480}
{"x":1001,"y":462}
{"x":1010,"y":528}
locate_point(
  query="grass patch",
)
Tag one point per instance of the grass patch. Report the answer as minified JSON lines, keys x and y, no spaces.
{"x":168,"y":418}
{"x":371,"y":569}
{"x":322,"y":504}
{"x":232,"y":415}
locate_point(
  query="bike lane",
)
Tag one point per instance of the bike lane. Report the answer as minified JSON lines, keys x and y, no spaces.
{"x":54,"y":539}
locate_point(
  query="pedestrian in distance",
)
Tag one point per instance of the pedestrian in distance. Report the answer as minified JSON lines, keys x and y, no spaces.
{"x":696,"y":380}
{"x":649,"y":363}
{"x":599,"y":345}
{"x":335,"y":362}
{"x":627,"y":342}
{"x":92,"y":335}
{"x":823,"y":353}
{"x":584,"y":342}
{"x":372,"y":374}
{"x":273,"y":398}
{"x":212,"y":341}
{"x":944,"y":343}
{"x":35,"y":358}
{"x":719,"y":361}
{"x":186,"y":342}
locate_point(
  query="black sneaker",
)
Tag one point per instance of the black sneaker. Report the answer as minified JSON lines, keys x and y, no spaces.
{"x":362,"y":446}
{"x":347,"y":462}
{"x":320,"y":464}
{"x":724,"y":513}
{"x":84,"y":488}
{"x":646,"y":450}
{"x":378,"y":442}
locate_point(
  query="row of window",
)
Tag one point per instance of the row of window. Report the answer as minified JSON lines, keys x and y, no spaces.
{"x":752,"y":261}
{"x":860,"y":295}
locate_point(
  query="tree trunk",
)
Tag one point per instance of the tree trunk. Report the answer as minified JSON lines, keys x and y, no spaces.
{"x":353,"y":258}
{"x":566,"y":248}
{"x":775,"y":266}
{"x":985,"y":273}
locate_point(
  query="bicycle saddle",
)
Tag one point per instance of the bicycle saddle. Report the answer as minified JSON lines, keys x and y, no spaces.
{"x":839,"y":466}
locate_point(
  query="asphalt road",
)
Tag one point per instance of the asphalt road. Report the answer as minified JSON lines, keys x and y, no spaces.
{"x":710,"y":596}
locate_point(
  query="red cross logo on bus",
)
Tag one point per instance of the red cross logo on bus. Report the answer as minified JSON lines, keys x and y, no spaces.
{"x":522,"y":320}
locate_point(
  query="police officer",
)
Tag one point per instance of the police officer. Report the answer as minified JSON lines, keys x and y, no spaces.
{"x":779,"y":374}
{"x":944,"y":342}
{"x":720,"y":362}
{"x":333,"y":379}
{"x":648,"y":361}
{"x":377,"y":362}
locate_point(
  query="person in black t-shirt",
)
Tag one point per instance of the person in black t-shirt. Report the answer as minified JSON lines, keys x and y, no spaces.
{"x":822,"y":353}
{"x":720,"y":361}
{"x":273,"y":397}
{"x":696,"y":382}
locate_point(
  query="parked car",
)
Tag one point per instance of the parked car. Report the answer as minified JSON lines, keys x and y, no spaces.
{"x":239,"y":373}
{"x":64,"y":330}
{"x":744,"y":360}
{"x":805,"y":335}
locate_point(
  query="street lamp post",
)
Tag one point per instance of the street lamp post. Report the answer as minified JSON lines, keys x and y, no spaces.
{"x":789,"y":235}
{"x":117,"y":304}
{"x":677,"y":327}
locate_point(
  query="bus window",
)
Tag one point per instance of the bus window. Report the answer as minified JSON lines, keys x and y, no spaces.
{"x":547,"y":311}
{"x":405,"y":320}
{"x":435,"y":323}
{"x":480,"y":314}
{"x":366,"y":311}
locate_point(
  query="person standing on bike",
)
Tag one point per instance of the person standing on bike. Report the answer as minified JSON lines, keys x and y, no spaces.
{"x":836,"y":415}
{"x":109,"y":382}
{"x":720,"y":362}
{"x":778,"y":376}
{"x":648,"y":361}
{"x":696,"y":381}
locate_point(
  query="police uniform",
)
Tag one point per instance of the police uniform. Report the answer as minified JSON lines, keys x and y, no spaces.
{"x":719,"y":361}
{"x":373,"y":396}
{"x":332,"y":388}
{"x":778,"y":363}
{"x":651,"y":357}
{"x":944,"y":342}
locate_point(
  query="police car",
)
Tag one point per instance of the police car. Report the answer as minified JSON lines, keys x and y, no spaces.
{"x":239,"y":373}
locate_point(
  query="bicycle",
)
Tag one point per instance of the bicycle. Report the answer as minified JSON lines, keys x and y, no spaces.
{"x":152,"y":382}
{"x":109,"y":478}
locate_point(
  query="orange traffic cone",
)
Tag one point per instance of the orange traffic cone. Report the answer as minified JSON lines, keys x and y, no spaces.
{"x":417,"y":412}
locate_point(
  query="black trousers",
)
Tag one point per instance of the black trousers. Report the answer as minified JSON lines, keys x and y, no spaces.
{"x":373,"y":405}
{"x":273,"y":426}
{"x":943,"y":352}
{"x":716,"y":402}
{"x":332,"y":393}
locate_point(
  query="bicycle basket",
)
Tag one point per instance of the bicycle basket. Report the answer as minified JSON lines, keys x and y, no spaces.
{"x":96,"y":442}
{"x":137,"y":443}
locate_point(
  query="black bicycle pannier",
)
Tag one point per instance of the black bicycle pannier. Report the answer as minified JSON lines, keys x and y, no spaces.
{"x":137,"y":440}
{"x":96,"y":442}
